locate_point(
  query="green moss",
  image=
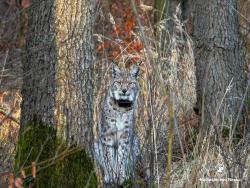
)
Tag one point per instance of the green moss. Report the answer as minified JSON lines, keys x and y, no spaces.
{"x":76,"y":170}
{"x":38,"y":143}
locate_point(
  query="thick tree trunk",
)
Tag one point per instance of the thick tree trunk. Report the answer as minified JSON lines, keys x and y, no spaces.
{"x":75,"y":67}
{"x":57,"y":92}
{"x":219,"y":60}
{"x":58,"y":66}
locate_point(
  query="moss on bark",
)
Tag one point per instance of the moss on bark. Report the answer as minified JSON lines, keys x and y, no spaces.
{"x":57,"y":166}
{"x":76,"y":170}
{"x":36,"y":143}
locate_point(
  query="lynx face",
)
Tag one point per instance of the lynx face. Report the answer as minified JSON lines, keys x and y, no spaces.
{"x":124,"y":87}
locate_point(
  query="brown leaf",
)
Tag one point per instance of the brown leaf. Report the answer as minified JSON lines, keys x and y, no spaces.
{"x":129,"y":24}
{"x":137,"y":46}
{"x":117,"y":29}
{"x":116,"y":54}
{"x":100,"y":48}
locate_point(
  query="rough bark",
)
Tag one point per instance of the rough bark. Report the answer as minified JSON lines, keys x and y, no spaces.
{"x":75,"y":68}
{"x":58,"y":66}
{"x":219,"y":60}
{"x":57,"y":92}
{"x":244,"y":17}
{"x":39,"y":63}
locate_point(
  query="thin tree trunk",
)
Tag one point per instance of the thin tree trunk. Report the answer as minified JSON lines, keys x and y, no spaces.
{"x":219,"y":60}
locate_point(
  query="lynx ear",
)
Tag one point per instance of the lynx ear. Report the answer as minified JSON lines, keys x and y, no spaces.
{"x":115,"y":70}
{"x":134,"y":71}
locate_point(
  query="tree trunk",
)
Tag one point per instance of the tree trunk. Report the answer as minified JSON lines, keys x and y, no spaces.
{"x":39,"y":62}
{"x":57,"y":93}
{"x":74,"y":26}
{"x":58,"y":66}
{"x":219,"y":60}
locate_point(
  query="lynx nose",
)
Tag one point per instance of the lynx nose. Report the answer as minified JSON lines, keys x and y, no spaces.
{"x":124,"y":91}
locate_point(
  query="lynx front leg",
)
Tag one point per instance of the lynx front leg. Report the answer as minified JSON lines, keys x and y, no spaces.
{"x":109,"y":164}
{"x":103,"y":155}
{"x":123,"y":161}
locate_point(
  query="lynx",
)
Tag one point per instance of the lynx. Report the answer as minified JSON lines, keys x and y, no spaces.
{"x":118,"y":147}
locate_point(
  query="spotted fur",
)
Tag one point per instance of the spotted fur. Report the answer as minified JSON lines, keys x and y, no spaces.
{"x":118,"y":147}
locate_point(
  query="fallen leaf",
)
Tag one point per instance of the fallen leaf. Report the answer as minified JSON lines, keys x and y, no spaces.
{"x":117,"y":29}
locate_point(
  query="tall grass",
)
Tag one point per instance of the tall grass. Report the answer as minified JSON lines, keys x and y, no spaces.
{"x":174,"y":149}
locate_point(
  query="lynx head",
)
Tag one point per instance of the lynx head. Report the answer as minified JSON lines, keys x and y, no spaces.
{"x":124,"y":88}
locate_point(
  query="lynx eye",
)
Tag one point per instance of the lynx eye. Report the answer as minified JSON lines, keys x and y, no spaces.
{"x":117,"y":82}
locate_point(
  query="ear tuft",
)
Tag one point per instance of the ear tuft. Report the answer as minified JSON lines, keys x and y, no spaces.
{"x":115,"y":70}
{"x":134,"y":71}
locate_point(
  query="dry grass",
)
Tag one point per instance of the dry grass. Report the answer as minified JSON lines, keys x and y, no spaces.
{"x":167,"y":79}
{"x":9,"y":127}
{"x":219,"y":159}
